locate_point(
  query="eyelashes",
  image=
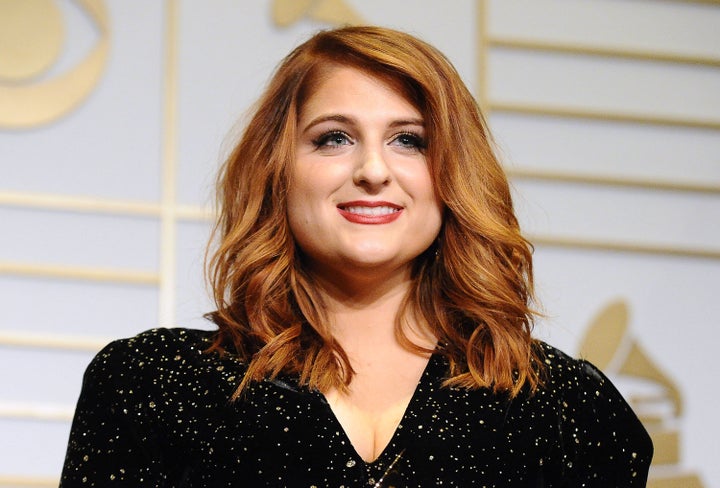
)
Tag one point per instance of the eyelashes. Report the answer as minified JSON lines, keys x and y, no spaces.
{"x":333,"y":138}
{"x":336,"y":138}
{"x":410,"y":140}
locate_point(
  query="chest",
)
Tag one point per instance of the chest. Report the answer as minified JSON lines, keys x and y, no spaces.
{"x":281,"y":437}
{"x":374,"y":405}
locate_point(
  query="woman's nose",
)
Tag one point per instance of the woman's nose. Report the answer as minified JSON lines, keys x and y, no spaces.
{"x":372,"y":170}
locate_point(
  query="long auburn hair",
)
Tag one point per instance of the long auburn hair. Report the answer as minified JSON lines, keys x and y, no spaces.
{"x":474,"y":287}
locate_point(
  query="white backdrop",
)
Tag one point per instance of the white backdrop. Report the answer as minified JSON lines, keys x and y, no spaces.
{"x":606,"y":113}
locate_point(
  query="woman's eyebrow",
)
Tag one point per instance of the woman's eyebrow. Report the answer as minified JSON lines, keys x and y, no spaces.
{"x":403,"y":122}
{"x":344,"y":119}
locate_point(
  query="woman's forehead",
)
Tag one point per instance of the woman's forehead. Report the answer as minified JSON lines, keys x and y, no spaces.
{"x":324,"y":71}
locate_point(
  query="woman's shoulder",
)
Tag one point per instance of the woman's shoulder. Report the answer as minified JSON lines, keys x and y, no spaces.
{"x":161,"y":341}
{"x":603,"y":442}
{"x":576,"y":382}
{"x":562,"y":369}
{"x":159,"y":345}
{"x":163,"y":356}
{"x":580,"y":390}
{"x":594,"y":416}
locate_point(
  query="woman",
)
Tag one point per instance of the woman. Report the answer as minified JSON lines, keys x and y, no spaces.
{"x":373,"y":308}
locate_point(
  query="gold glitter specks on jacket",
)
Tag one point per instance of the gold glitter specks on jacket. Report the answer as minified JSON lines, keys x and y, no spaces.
{"x":155,"y":411}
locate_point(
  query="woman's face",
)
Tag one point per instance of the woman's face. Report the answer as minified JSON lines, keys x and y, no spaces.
{"x":361,"y":197}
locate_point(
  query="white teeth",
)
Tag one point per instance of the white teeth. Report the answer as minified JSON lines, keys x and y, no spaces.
{"x":371,"y":210}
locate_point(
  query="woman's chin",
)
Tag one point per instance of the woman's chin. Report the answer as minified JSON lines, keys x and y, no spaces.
{"x":380,"y":262}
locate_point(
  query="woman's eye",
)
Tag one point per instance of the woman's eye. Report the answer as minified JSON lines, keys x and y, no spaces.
{"x":332,"y":139}
{"x":410,"y":141}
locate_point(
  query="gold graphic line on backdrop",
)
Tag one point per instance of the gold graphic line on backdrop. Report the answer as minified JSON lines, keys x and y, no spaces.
{"x":333,"y":12}
{"x":82,"y":273}
{"x":612,"y":180}
{"x":49,"y":340}
{"x":603,"y":51}
{"x":74,"y":203}
{"x":597,"y":114}
{"x":28,"y":481}
{"x":481,"y":55}
{"x":100,"y":205}
{"x":620,"y":246}
{"x":43,"y":412}
{"x":168,"y":220}
{"x":702,"y":2}
{"x":24,"y":101}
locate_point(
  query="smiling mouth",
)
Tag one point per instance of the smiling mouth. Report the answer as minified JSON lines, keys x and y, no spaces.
{"x":370,"y":211}
{"x":365,"y":212}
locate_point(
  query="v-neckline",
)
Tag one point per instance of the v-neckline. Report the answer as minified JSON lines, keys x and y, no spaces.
{"x":423,"y":383}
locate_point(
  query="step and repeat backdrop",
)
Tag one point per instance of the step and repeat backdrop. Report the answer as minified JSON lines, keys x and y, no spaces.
{"x":115,"y":114}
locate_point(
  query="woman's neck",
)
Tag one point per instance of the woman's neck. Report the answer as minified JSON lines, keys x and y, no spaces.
{"x":363,"y":314}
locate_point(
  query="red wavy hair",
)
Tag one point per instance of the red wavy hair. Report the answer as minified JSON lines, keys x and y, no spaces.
{"x":474,"y":287}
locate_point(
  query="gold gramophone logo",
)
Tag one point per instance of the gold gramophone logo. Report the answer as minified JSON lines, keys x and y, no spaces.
{"x":31,"y":40}
{"x":609,"y":345}
{"x":333,"y":12}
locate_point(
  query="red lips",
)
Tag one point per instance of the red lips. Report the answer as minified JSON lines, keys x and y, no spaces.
{"x":370,"y":212}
